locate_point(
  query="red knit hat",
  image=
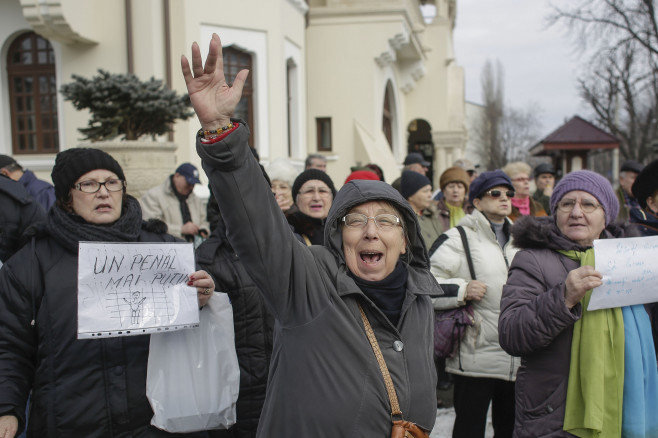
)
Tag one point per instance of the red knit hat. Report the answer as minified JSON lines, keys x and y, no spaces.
{"x":362,"y":174}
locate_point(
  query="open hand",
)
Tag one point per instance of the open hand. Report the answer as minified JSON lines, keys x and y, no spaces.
{"x":212,"y":98}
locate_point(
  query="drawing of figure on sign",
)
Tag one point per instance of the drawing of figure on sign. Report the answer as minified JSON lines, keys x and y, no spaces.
{"x":135,"y":304}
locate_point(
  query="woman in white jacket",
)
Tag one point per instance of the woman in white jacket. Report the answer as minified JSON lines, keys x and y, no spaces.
{"x":483,"y":372}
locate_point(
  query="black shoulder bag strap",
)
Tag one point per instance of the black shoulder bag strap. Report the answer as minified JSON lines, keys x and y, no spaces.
{"x":467,"y":250}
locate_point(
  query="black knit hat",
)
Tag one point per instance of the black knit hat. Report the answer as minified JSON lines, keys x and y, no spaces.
{"x":308,"y":175}
{"x":72,"y":163}
{"x":411,"y":182}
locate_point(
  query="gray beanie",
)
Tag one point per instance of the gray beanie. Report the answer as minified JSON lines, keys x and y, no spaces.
{"x":592,"y":183}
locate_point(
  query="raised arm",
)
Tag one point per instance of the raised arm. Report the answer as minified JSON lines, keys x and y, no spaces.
{"x":283,"y":269}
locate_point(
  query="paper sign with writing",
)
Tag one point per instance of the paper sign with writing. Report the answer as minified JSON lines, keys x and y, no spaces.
{"x":630,"y":272}
{"x":127,"y":289}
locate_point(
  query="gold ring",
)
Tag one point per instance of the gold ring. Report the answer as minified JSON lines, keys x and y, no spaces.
{"x":206,"y":291}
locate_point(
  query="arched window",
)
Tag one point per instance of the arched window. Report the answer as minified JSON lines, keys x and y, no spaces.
{"x":32,"y":95}
{"x":234,"y":61}
{"x":387,"y":122}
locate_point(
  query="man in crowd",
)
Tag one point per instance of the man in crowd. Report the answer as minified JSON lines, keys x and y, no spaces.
{"x":627,"y":174}
{"x":468,"y":166}
{"x":316,"y":161}
{"x":544,"y":180}
{"x":414,"y":161}
{"x":42,"y":191}
{"x":175,"y":203}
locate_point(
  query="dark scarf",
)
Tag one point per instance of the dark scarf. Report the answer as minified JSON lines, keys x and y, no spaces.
{"x":184,"y":209}
{"x":387,"y":294}
{"x":69,"y":228}
{"x":308,"y":226}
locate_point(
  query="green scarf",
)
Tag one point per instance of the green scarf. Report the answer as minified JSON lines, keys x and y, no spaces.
{"x":456,"y":214}
{"x":596,"y":371}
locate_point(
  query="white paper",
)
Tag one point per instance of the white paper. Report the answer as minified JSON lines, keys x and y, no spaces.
{"x":630,"y":272}
{"x":127,"y":289}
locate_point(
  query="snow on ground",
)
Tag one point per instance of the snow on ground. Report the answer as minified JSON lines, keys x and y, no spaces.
{"x":445,"y":418}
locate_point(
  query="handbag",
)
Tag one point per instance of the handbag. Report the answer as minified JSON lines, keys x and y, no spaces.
{"x":400,"y":427}
{"x":450,"y":325}
{"x":193,"y":377}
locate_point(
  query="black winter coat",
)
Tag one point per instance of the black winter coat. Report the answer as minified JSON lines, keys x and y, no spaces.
{"x":18,"y":210}
{"x":80,"y":388}
{"x":253,"y":325}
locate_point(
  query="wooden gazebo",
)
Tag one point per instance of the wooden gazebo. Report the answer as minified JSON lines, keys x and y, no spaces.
{"x":573,"y":145}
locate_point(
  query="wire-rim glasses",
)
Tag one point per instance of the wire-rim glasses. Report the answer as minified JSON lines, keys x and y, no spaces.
{"x":586,"y":205}
{"x":383,"y":222}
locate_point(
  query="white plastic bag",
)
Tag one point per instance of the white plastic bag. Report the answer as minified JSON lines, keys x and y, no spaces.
{"x":193,"y":376}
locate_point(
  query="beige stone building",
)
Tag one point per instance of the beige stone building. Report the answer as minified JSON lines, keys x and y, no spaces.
{"x":360,"y":81}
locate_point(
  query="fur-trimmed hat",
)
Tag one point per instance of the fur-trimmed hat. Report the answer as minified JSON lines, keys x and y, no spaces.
{"x":646,"y":183}
{"x":72,"y":163}
{"x":308,"y":175}
{"x":411,"y":182}
{"x":592,"y":183}
{"x":454,"y":174}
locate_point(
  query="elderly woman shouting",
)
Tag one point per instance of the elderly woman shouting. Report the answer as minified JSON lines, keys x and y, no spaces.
{"x":583,"y":373}
{"x":325,"y":380}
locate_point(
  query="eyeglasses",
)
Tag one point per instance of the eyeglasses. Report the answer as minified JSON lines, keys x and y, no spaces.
{"x":320,"y":191}
{"x":499,"y":193}
{"x":383,"y":221}
{"x":586,"y":205}
{"x":111,"y":185}
{"x":521,"y":179}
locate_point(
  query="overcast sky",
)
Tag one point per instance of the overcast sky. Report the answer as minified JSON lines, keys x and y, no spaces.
{"x":539,"y":62}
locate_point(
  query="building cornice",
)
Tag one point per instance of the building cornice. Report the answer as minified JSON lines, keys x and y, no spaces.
{"x":47,"y":19}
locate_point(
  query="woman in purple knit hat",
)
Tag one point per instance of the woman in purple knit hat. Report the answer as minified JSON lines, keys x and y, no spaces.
{"x":583,"y":373}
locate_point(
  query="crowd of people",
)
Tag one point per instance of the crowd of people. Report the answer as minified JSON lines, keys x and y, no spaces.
{"x":335,"y":292}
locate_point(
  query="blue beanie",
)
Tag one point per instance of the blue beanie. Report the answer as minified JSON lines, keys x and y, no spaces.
{"x":592,"y":183}
{"x":411,"y":182}
{"x":487,"y":180}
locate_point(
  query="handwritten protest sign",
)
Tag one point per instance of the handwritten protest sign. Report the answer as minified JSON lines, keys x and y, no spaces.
{"x":630,"y":272}
{"x":129,"y":289}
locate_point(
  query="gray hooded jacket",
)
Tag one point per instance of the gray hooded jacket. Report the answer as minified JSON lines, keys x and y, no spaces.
{"x":324,"y":378}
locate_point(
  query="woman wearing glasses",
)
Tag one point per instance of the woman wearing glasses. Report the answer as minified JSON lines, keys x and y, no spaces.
{"x":90,"y":388}
{"x":324,"y":378}
{"x":522,"y":203}
{"x":584,"y":373}
{"x":483,"y":373}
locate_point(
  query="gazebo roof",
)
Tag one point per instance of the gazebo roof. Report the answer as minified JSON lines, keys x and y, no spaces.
{"x":576,"y":134}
